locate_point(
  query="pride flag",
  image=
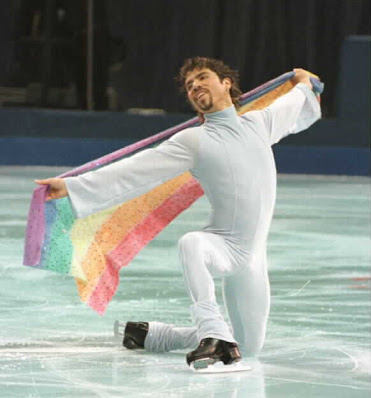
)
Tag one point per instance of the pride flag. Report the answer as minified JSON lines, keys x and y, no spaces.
{"x":94,"y":249}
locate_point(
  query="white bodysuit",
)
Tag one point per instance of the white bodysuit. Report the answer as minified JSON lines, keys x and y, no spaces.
{"x":231,"y":157}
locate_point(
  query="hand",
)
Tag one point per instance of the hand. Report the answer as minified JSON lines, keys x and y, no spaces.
{"x":57,"y":190}
{"x":301,"y":76}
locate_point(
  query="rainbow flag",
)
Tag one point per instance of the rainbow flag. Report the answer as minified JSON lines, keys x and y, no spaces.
{"x":94,"y":249}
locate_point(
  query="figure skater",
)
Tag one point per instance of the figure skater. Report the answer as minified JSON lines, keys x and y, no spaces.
{"x":231,"y":157}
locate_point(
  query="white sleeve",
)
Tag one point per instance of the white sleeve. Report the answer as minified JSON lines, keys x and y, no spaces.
{"x":289,"y":114}
{"x":131,"y":177}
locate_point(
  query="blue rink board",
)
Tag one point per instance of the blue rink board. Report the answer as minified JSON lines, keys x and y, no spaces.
{"x":74,"y":152}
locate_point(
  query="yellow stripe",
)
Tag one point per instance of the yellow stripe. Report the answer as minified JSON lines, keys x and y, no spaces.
{"x":82,"y":235}
{"x":120,"y":222}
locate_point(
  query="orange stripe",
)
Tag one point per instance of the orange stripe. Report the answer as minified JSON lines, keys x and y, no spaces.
{"x":119,"y":224}
{"x":266,"y":99}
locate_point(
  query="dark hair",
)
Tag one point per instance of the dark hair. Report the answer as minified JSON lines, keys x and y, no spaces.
{"x":222,"y":70}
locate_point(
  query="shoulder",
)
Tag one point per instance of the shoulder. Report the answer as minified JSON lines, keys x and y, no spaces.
{"x":252,"y":118}
{"x":186,"y":140}
{"x":255,"y":122}
{"x":187,"y":136}
{"x":187,"y":133}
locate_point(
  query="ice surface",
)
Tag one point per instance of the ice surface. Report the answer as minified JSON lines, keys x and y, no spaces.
{"x":318,"y":339}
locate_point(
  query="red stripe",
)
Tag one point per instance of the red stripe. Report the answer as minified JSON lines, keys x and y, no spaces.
{"x":139,"y":237}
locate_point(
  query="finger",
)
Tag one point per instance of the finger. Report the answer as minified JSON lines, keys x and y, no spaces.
{"x":42,"y":182}
{"x":51,"y":196}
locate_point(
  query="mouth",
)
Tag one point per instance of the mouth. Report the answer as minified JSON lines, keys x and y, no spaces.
{"x":200,"y":95}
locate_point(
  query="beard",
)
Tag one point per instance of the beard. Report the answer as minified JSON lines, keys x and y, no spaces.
{"x":205,"y":104}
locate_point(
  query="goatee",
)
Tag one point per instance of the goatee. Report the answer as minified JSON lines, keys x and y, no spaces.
{"x":205,"y":106}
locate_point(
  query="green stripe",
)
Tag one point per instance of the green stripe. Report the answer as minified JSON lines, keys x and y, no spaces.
{"x":59,"y":256}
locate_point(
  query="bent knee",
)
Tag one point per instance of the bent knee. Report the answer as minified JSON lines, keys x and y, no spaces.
{"x":190,"y":239}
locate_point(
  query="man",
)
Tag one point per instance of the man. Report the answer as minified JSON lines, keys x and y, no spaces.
{"x":232,"y":159}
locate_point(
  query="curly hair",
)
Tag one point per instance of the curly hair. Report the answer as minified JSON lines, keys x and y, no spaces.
{"x":222,"y":70}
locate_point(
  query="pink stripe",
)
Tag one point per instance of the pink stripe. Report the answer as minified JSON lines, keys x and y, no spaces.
{"x":139,"y":237}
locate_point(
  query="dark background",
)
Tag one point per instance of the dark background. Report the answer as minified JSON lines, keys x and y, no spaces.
{"x":139,"y":46}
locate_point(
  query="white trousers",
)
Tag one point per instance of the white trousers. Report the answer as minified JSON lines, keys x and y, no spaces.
{"x":245,"y":291}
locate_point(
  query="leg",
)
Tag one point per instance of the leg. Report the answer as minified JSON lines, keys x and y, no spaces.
{"x":201,"y":254}
{"x":247,"y":299}
{"x":163,"y":338}
{"x":157,"y":336}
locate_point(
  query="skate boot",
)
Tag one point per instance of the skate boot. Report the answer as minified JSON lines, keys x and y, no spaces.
{"x":212,"y":350}
{"x":135,"y":334}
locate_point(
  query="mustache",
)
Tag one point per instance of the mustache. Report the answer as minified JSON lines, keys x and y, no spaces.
{"x":202,"y":91}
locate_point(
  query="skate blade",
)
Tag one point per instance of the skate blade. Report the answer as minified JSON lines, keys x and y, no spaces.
{"x":203,"y":363}
{"x":118,"y":329}
{"x":219,"y":367}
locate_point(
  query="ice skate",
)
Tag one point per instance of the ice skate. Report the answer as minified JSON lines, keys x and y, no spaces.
{"x":212,"y":350}
{"x":134,"y":334}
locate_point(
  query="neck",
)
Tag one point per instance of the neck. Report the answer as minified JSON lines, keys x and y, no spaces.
{"x":226,"y":115}
{"x":220,"y":106}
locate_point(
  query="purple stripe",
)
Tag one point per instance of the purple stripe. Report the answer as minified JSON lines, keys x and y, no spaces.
{"x":35,"y":228}
{"x":50,"y":215}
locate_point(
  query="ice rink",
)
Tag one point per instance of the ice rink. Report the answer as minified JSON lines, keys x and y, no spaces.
{"x":318,"y":339}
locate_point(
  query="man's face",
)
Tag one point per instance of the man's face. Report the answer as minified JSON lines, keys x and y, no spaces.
{"x":206,"y":92}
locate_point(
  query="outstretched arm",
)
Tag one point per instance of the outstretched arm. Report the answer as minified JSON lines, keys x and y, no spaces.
{"x":128,"y":178}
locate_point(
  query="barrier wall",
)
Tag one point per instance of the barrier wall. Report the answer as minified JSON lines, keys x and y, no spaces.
{"x":70,"y":138}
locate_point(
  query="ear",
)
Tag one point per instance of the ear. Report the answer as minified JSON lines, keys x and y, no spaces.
{"x":227,"y":81}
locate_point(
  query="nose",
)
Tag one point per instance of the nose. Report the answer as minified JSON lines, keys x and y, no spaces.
{"x":195,"y":86}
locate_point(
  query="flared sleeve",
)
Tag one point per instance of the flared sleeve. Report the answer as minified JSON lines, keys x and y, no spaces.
{"x":131,"y":177}
{"x":293,"y":112}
